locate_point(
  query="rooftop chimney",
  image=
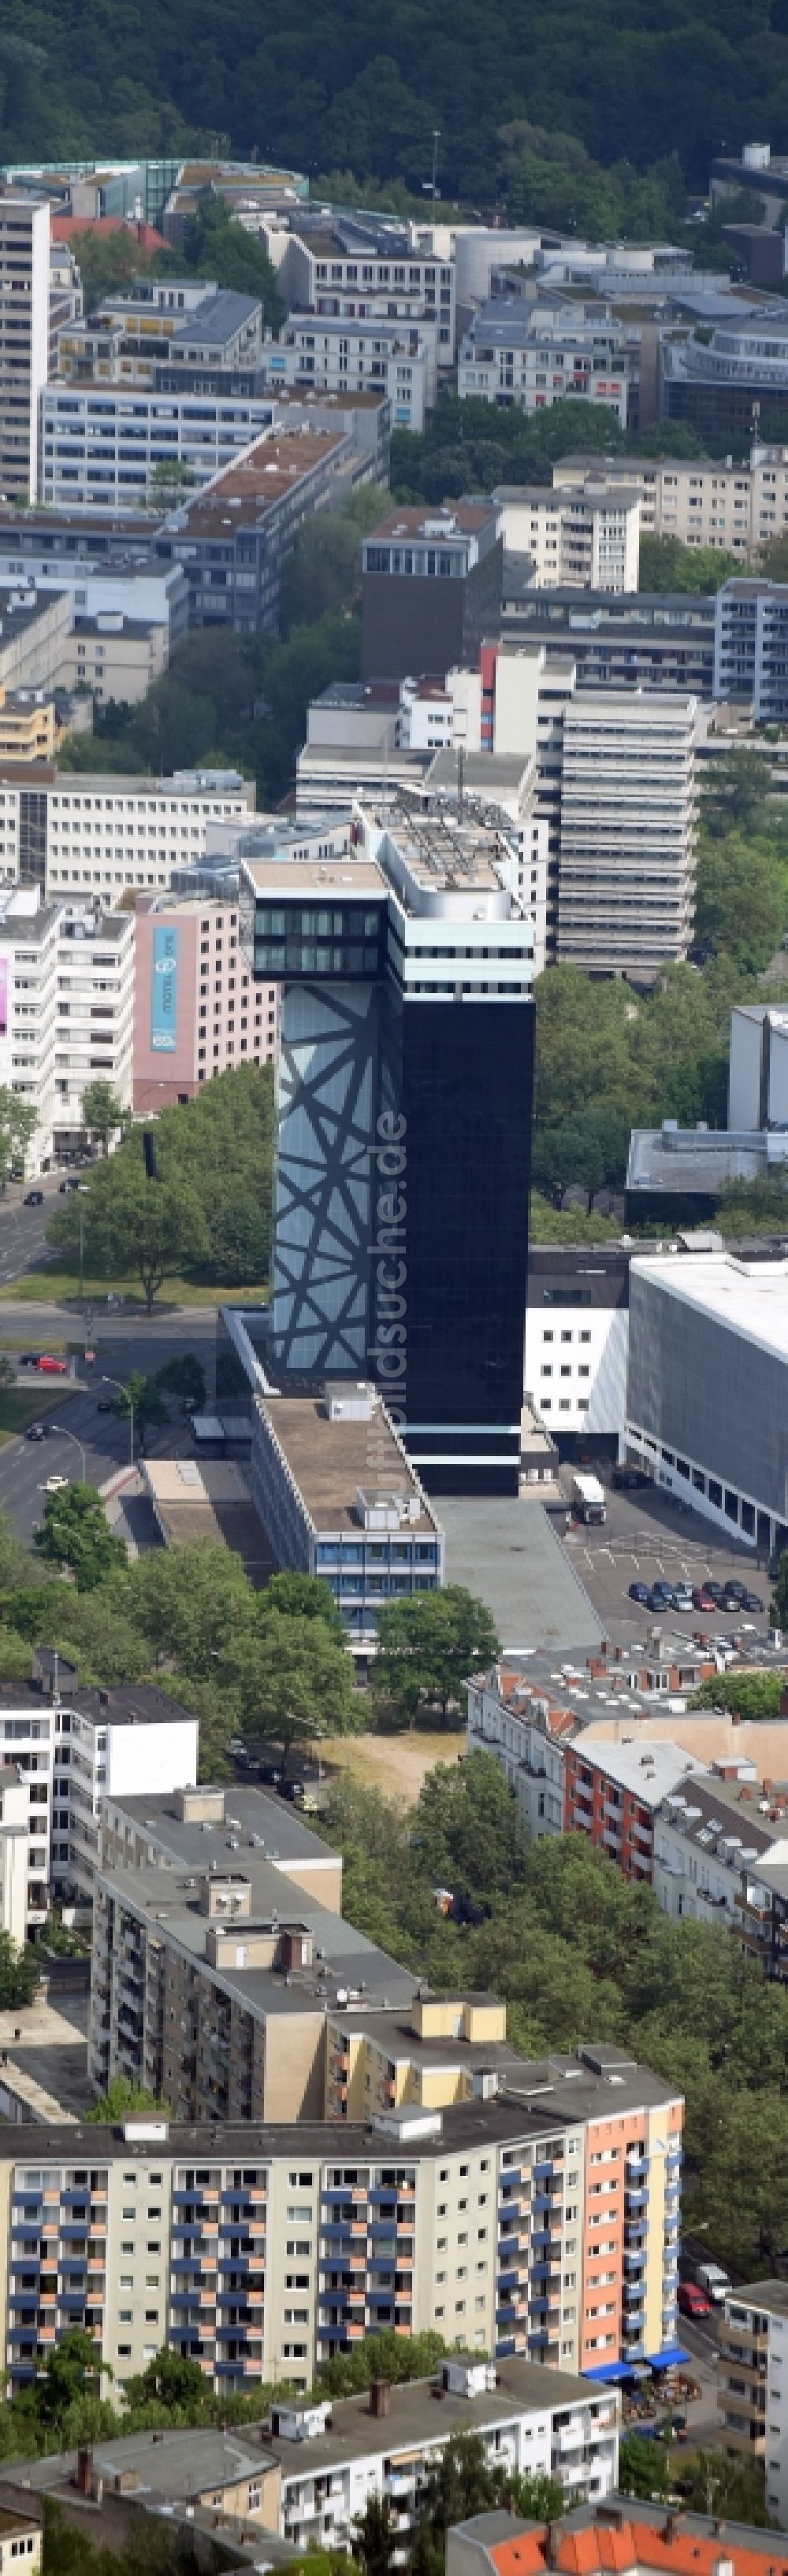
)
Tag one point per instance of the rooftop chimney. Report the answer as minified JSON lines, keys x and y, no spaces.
{"x":380,"y":2397}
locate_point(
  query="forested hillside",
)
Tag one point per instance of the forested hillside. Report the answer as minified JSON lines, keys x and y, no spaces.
{"x":360,"y":88}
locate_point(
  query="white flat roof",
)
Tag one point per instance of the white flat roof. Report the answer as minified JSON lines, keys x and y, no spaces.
{"x":650,"y":1770}
{"x":750,"y":1297}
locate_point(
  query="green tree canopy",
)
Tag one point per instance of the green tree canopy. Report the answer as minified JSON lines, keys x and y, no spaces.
{"x":428,"y":1645}
{"x":74,"y":1532}
{"x":125,"y":2101}
{"x":103,"y":1114}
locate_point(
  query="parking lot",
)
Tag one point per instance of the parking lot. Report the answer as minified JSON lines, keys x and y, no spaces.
{"x":648,"y":1537}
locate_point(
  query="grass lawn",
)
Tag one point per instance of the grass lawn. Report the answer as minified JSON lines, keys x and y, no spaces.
{"x":397,"y":1764}
{"x":51,"y":1287}
{"x":21,"y":1405}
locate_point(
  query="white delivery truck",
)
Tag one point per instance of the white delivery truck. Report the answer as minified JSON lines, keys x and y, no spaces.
{"x":588,"y":1498}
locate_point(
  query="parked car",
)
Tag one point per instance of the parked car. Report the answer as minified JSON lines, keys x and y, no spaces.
{"x":716,"y":1591}
{"x":682,"y":1596}
{"x":51,"y":1367}
{"x":627,"y":1480}
{"x":751,"y":1601}
{"x":55,"y":1484}
{"x":34,"y":1198}
{"x":29,"y":1359}
{"x":692,"y":2301}
{"x":639,"y":1592}
{"x":702,"y":1599}
{"x":736,"y":1591}
{"x":64,"y":1186}
{"x":661,"y":1601}
{"x":35,"y":1431}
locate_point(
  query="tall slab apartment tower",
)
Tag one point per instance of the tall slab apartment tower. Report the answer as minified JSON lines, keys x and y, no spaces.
{"x":404,"y":1127}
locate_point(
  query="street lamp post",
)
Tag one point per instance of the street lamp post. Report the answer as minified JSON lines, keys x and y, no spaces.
{"x":60,"y":1433}
{"x":118,"y":1382}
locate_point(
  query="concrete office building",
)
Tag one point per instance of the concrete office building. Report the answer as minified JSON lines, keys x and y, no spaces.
{"x":151,"y":597}
{"x":368,"y":950}
{"x":628,"y":826}
{"x":197,"y":1008}
{"x":724,"y":383}
{"x":582,"y":536}
{"x":24,"y":338}
{"x":338,"y":1497}
{"x":530,"y":356}
{"x":430,"y":589}
{"x":103,"y":446}
{"x":758,"y":1068}
{"x":752,"y":2392}
{"x":34,"y":636}
{"x":576,"y":1332}
{"x":64,"y":1746}
{"x":750,"y":641}
{"x":615,"y":639}
{"x":71,"y":833}
{"x":233,"y":538}
{"x":707,"y":1386}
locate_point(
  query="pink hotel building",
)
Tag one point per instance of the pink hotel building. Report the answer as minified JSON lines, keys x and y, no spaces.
{"x":197,"y":1007}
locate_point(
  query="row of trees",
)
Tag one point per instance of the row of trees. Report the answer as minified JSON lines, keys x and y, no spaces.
{"x":209,"y":1208}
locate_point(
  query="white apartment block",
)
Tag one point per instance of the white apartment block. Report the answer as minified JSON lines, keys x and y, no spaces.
{"x":24,"y":338}
{"x":68,"y":1747}
{"x":75,"y":833}
{"x":529,"y":356}
{"x":339,"y":357}
{"x":334,"y":2458}
{"x":752,"y":2389}
{"x":328,"y":271}
{"x":628,"y":830}
{"x":584,"y":536}
{"x":104,"y":447}
{"x":734,"y":507}
{"x":510,"y":1718}
{"x":66,"y":1006}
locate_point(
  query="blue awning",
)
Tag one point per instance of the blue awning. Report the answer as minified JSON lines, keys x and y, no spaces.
{"x":610,"y":2370}
{"x":669,"y":2359}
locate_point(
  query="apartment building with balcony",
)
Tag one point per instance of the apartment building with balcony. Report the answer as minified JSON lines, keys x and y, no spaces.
{"x":622,"y":640}
{"x":66,"y":989}
{"x":582,"y":536}
{"x":752,"y":2390}
{"x":330,"y":267}
{"x":737,"y":507}
{"x":233,"y":537}
{"x":628,"y":833}
{"x":106,"y":445}
{"x":721,"y":1857}
{"x":389,"y":353}
{"x":527,"y":356}
{"x":65,"y":1746}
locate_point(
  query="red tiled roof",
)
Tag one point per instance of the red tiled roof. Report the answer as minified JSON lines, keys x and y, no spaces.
{"x":604,"y":2550}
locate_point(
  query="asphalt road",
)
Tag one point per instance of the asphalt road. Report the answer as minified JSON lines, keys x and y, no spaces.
{"x":23,"y":1244}
{"x":121,"y":1344}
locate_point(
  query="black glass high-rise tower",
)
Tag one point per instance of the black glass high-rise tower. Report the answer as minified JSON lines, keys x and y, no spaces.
{"x":404,"y":1128}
